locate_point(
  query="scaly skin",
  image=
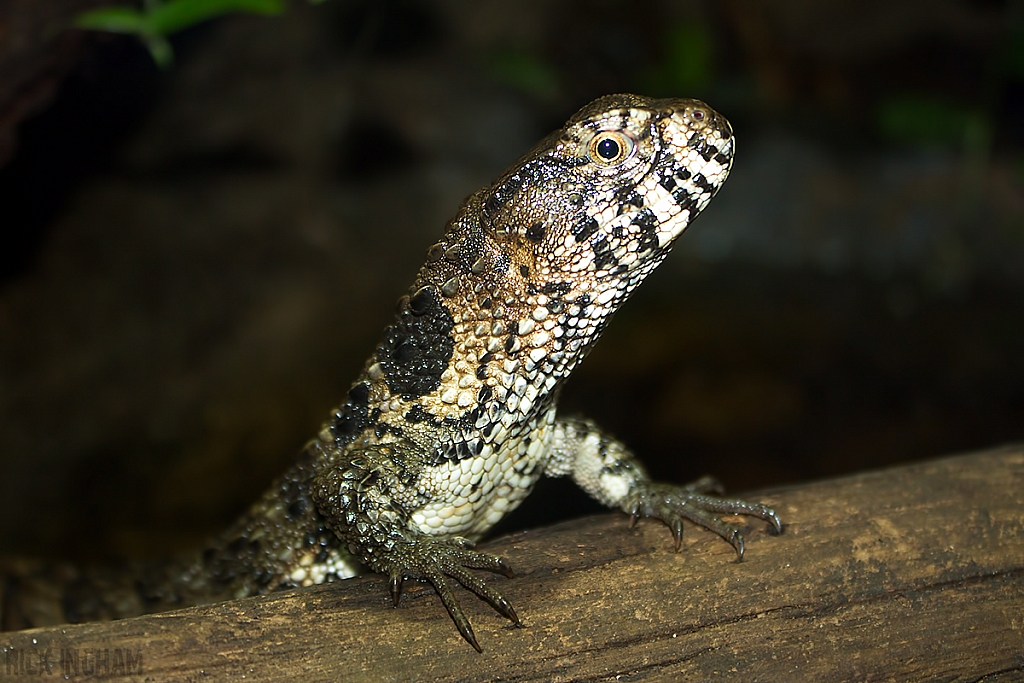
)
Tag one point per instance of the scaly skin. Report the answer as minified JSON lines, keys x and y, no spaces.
{"x":453,"y":419}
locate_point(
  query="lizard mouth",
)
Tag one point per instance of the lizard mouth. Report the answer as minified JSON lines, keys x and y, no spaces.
{"x":689,"y":151}
{"x":688,"y":170}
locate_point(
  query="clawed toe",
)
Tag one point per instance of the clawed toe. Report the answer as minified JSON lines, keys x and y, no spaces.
{"x":437,"y":562}
{"x":673,"y":504}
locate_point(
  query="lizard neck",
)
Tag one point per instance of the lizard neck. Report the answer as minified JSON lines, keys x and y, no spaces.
{"x":480,"y":345}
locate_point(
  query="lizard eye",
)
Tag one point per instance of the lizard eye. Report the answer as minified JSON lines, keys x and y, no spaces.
{"x":610,"y":147}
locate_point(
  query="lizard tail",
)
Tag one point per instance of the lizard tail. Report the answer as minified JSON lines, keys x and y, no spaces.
{"x":36,"y":593}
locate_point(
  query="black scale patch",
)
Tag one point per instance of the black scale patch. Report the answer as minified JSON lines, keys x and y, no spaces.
{"x":557,"y":288}
{"x":459,"y":450}
{"x":501,"y":195}
{"x":417,"y":414}
{"x":702,"y":183}
{"x":352,"y":417}
{"x":534,"y":173}
{"x":535,"y":233}
{"x":648,"y":224}
{"x":700,"y":145}
{"x":584,"y":229}
{"x":417,"y":348}
{"x":603,"y":256}
{"x":627,"y":197}
{"x":683,"y":198}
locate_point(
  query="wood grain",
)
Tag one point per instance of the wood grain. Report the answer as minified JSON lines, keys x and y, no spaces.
{"x":909,"y":574}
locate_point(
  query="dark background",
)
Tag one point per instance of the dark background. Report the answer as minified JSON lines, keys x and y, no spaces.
{"x":195,"y":262}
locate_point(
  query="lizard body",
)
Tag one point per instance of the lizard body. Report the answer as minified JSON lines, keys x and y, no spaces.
{"x":454,"y":417}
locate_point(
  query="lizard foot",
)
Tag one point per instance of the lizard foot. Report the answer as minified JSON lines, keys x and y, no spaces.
{"x":672,"y":504}
{"x":435,"y":560}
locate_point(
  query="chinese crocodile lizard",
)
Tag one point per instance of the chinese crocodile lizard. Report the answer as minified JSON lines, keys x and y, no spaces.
{"x":454,"y":417}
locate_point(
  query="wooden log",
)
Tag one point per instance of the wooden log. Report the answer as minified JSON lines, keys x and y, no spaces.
{"x":909,"y":574}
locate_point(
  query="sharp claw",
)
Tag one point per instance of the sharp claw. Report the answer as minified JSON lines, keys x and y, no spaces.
{"x":737,"y":543}
{"x":396,"y":588}
{"x":442,"y":561}
{"x":776,"y":522}
{"x":507,"y":611}
{"x":504,"y":569}
{"x":677,"y":531}
{"x":454,"y":611}
{"x":634,"y":514}
{"x":462,"y":623}
{"x":470,"y":637}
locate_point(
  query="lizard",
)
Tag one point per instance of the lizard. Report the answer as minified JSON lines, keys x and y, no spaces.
{"x":454,"y":417}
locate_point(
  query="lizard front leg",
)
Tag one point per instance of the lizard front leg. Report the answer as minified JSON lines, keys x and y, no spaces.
{"x":367,"y":499}
{"x":609,"y":472}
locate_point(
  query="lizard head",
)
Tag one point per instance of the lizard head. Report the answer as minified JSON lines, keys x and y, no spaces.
{"x":596,"y":206}
{"x":532,"y":267}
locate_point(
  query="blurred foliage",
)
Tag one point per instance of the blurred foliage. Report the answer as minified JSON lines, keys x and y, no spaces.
{"x":525,"y":72}
{"x":687,"y":64}
{"x":926,"y":121}
{"x":157,"y":19}
{"x":1015,"y":55}
{"x":930,"y":122}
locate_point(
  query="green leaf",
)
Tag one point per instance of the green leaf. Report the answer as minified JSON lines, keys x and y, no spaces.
{"x":160,"y":50}
{"x":924,"y":121}
{"x":687,"y":63}
{"x":113,"y":19}
{"x":161,"y":19}
{"x":688,"y":58}
{"x":526,"y":72}
{"x":1014,"y":54}
{"x":173,"y":16}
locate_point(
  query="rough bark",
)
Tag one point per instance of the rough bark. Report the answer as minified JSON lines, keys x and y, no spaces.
{"x":912,"y":573}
